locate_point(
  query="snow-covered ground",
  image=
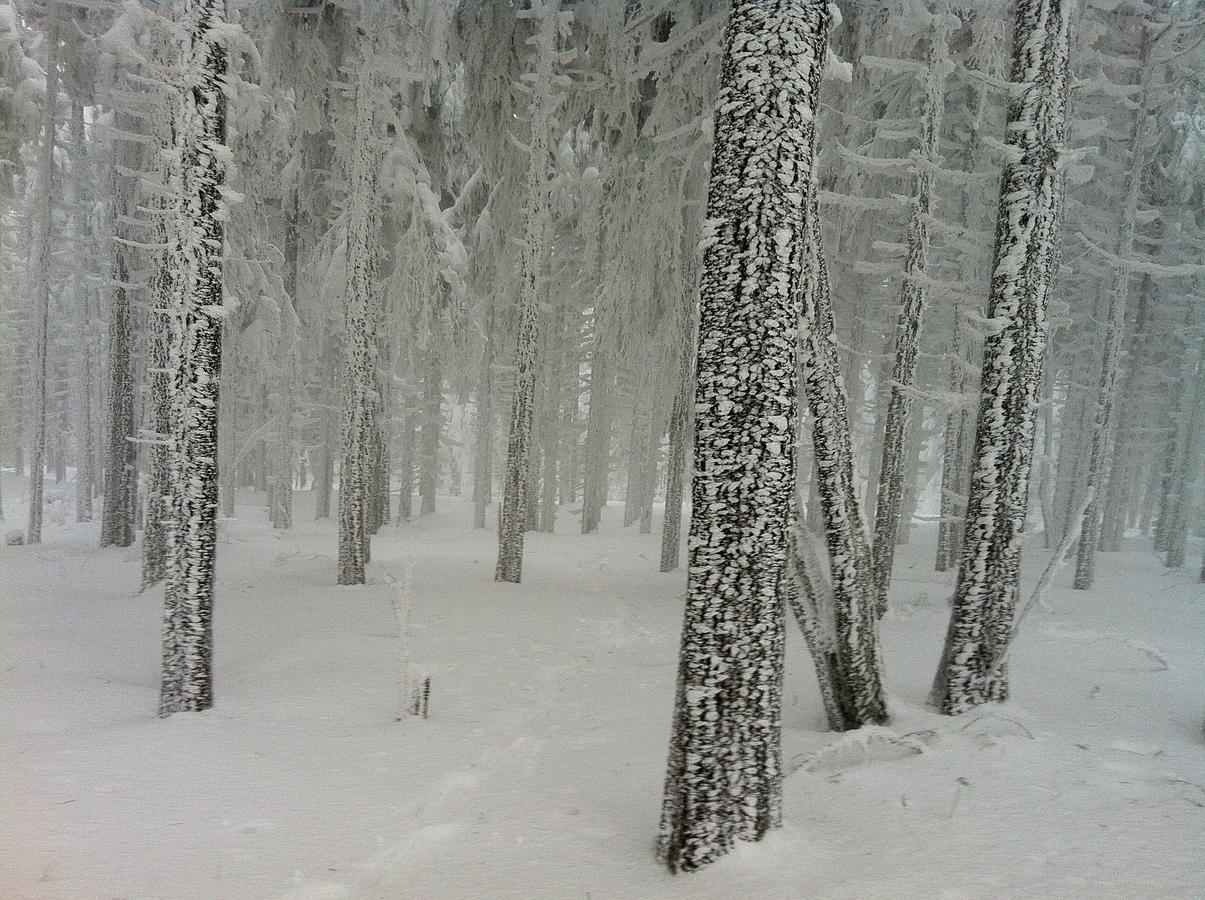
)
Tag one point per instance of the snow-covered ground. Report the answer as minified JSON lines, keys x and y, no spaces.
{"x":539,"y":772}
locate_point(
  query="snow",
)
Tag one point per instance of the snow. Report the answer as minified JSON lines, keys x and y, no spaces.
{"x":539,"y":772}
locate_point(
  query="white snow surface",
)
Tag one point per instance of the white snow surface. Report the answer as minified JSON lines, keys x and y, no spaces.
{"x":539,"y":773}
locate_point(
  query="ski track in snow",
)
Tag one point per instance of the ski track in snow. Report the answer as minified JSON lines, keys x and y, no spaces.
{"x":539,"y":772}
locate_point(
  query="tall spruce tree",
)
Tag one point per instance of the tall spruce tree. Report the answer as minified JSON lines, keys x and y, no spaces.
{"x":973,"y":667}
{"x":724,"y":779}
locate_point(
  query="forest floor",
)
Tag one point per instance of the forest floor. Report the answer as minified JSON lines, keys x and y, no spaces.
{"x":538,"y":773}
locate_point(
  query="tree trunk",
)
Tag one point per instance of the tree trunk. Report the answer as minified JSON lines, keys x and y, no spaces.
{"x":432,"y":423}
{"x":973,"y":670}
{"x":679,"y":429}
{"x":360,"y":389}
{"x":39,"y":283}
{"x":194,"y":360}
{"x":724,"y":778}
{"x":896,"y":431}
{"x":515,"y":488}
{"x":483,"y":432}
{"x":1115,"y":319}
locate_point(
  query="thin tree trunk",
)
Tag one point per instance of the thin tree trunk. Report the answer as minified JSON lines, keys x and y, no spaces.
{"x":360,"y":389}
{"x":1115,"y":319}
{"x":432,"y":424}
{"x":483,"y":433}
{"x":39,"y":284}
{"x":515,"y":489}
{"x":679,"y":429}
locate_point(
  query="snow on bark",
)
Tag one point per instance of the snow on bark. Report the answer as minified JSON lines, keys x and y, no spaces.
{"x":890,"y":489}
{"x":359,"y":356}
{"x":541,"y":111}
{"x":157,"y":520}
{"x":679,"y":428}
{"x":724,"y":778}
{"x":1187,"y":461}
{"x":985,"y":599}
{"x":120,"y":451}
{"x":194,"y":318}
{"x":78,"y":201}
{"x":38,"y":270}
{"x":849,"y":556}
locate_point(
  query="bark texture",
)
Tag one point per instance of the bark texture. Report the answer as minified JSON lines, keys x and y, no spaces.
{"x":973,"y":667}
{"x":724,"y":778}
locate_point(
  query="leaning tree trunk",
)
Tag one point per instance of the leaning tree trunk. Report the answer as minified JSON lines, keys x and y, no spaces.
{"x":515,"y":487}
{"x":855,"y":618}
{"x":194,"y":362}
{"x":896,"y":430}
{"x":360,"y":317}
{"x":973,"y":665}
{"x":724,"y":778}
{"x":39,"y":284}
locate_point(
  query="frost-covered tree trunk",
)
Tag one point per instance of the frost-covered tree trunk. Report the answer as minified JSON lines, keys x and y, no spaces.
{"x":283,"y":451}
{"x":483,"y":430}
{"x":973,"y":664}
{"x":598,"y":437}
{"x":120,"y":451}
{"x":953,"y":465}
{"x":1187,"y":461}
{"x":81,"y":375}
{"x":891,"y":481}
{"x":1126,"y":471}
{"x":516,"y":507}
{"x":227,"y":451}
{"x":38,"y":271}
{"x":198,"y":165}
{"x":360,"y":392}
{"x":157,"y":520}
{"x":324,"y":476}
{"x":679,"y":433}
{"x":636,"y":456}
{"x":648,"y":474}
{"x":428,"y":464}
{"x":1115,"y":320}
{"x":597,"y":450}
{"x":724,"y":778}
{"x":853,"y":607}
